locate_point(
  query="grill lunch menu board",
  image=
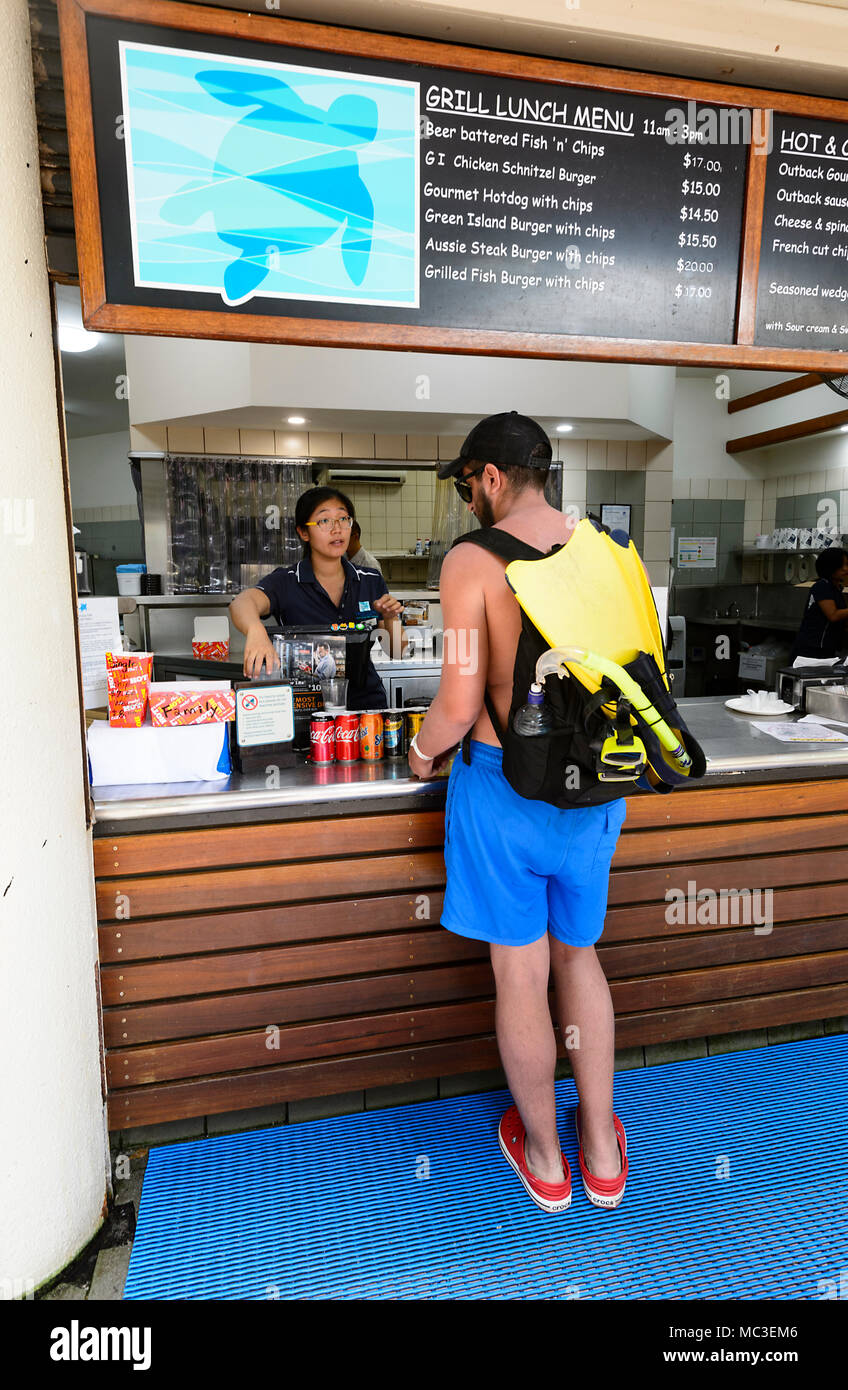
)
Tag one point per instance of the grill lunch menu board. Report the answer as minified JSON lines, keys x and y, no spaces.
{"x":388,"y":192}
{"x":263,"y":181}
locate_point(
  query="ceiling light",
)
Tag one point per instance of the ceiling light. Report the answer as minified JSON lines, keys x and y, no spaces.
{"x":296,"y":420}
{"x":843,"y":429}
{"x":563,"y":429}
{"x":76,"y":339}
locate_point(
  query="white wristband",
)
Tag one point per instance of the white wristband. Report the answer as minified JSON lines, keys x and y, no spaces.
{"x":413,"y":743}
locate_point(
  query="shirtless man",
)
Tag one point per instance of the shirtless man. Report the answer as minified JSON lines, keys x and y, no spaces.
{"x":503,"y":851}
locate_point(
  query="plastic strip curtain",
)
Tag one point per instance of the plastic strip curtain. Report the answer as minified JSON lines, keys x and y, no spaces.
{"x":230,"y":520}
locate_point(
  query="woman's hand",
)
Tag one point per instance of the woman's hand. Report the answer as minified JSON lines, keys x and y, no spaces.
{"x":387,"y":606}
{"x":259,"y":651}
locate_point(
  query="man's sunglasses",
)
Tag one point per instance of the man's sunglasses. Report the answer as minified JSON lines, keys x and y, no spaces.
{"x":463,"y":485}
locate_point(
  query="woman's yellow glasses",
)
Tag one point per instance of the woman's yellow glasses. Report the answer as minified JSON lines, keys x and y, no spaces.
{"x":326,"y":523}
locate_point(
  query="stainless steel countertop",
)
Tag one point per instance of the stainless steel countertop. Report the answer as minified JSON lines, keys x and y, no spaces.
{"x":732,"y":744}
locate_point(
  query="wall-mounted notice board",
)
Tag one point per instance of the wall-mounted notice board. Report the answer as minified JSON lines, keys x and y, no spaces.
{"x":244,"y":176}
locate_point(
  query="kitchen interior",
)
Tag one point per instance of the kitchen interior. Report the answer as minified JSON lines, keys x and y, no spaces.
{"x":186,"y":457}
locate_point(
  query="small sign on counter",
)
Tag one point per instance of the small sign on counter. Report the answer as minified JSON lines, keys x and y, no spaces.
{"x":99,"y":633}
{"x":264,"y":716}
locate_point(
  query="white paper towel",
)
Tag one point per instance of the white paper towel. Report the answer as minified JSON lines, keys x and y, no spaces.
{"x":119,"y":757}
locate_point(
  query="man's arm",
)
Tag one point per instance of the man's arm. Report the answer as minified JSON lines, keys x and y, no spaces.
{"x":465,"y":659}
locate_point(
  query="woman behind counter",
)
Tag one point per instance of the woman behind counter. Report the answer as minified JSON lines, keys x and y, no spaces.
{"x":820,"y":634}
{"x":323,"y":587}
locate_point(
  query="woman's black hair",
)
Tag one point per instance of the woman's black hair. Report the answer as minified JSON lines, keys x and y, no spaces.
{"x":829,"y":561}
{"x":310,"y":501}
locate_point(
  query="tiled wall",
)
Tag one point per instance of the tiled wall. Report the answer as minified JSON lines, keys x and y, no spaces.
{"x":402,"y":515}
{"x":102,"y":515}
{"x":802,"y":509}
{"x":638,"y":472}
{"x":393,"y":518}
{"x":112,"y":535}
{"x":722,"y":518}
{"x":716,"y":506}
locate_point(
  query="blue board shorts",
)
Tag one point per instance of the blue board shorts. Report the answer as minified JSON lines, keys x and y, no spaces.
{"x":518,"y":868}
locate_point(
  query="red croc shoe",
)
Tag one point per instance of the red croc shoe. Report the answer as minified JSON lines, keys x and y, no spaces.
{"x":550,"y":1196}
{"x":604,"y":1192}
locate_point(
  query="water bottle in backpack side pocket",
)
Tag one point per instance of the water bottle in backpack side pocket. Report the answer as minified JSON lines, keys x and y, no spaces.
{"x":534,"y":717}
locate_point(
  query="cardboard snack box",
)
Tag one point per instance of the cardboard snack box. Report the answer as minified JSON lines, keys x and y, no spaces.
{"x":210,"y":651}
{"x":180,"y":707}
{"x":128,"y":687}
{"x":211,"y":639}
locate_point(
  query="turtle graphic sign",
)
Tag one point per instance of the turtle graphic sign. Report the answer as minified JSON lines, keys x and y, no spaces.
{"x":248,"y":176}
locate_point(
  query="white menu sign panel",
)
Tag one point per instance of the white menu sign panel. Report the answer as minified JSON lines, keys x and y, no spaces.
{"x":99,"y":633}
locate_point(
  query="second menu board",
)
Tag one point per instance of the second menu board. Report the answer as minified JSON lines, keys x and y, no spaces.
{"x":803,"y":281}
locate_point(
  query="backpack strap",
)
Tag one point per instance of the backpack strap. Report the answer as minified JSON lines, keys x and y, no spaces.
{"x":500,"y":543}
{"x":507,"y":547}
{"x":496,"y":725}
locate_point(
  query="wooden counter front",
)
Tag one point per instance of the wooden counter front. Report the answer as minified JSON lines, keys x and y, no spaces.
{"x":253,"y":964}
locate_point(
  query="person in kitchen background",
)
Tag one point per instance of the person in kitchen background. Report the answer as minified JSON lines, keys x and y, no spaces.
{"x":321,"y":588}
{"x":357,"y":554}
{"x":822,"y":633}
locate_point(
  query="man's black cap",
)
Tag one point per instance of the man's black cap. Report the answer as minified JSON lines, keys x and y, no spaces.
{"x":506,"y":439}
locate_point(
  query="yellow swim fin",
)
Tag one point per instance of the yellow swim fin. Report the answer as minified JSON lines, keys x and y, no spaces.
{"x":592,"y":593}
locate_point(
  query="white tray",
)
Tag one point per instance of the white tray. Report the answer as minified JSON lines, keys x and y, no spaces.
{"x":744,"y":706}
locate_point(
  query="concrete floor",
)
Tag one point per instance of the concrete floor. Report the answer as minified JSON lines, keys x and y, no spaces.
{"x":99,"y":1272}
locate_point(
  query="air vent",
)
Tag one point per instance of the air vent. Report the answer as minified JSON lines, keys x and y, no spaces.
{"x":383,"y":477}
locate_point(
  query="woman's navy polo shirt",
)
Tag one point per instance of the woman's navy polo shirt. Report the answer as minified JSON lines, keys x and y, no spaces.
{"x":816,"y":636}
{"x":297,"y":598}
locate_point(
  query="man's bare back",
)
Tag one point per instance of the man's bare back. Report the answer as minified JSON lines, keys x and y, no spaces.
{"x":541,"y":527}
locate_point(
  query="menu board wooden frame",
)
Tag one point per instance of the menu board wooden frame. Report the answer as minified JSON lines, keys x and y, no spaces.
{"x":101,"y":315}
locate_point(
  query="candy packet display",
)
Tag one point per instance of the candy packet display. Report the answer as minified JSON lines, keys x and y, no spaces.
{"x":182,"y":707}
{"x":128,"y":687}
{"x":211,"y":639}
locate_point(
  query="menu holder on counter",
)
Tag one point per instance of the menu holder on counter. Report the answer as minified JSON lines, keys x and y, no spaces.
{"x":271,"y":726}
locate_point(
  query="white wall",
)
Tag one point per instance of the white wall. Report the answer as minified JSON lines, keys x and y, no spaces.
{"x":99,"y":471}
{"x":819,"y":453}
{"x":768,"y":43}
{"x":53,"y":1171}
{"x":701,"y":429}
{"x":183,"y":380}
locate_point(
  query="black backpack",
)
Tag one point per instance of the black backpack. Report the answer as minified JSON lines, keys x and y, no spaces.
{"x":564,"y":767}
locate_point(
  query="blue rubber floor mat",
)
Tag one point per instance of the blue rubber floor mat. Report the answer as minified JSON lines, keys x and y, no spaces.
{"x":736,"y":1191}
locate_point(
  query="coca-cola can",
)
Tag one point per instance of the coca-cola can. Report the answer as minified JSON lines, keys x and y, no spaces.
{"x":322,"y":738}
{"x":347,"y":738}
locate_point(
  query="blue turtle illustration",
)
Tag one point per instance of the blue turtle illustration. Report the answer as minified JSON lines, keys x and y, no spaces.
{"x":267,"y":199}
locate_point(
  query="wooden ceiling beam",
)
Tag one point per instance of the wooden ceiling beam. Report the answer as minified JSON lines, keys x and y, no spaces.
{"x":773,"y":393}
{"x":802,"y":429}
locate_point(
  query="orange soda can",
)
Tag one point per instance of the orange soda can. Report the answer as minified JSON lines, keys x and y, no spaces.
{"x":371,"y":735}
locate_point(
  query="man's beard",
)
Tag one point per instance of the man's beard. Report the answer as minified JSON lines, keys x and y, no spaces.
{"x":485,"y":515}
